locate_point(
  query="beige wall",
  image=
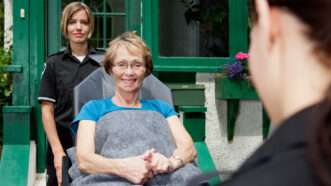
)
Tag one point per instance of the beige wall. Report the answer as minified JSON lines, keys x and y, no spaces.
{"x":8,"y":24}
{"x":248,"y":132}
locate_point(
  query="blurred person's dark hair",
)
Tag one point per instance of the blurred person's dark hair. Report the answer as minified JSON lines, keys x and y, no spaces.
{"x":315,"y":14}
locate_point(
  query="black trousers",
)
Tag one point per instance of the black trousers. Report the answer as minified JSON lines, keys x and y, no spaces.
{"x":67,"y":142}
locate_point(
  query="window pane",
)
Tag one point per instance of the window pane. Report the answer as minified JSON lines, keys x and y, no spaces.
{"x":98,"y":6}
{"x":106,"y":28}
{"x":65,"y":2}
{"x":116,"y":5}
{"x":110,"y":5}
{"x":193,"y":28}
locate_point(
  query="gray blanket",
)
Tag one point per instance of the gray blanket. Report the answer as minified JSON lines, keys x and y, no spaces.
{"x":128,"y":133}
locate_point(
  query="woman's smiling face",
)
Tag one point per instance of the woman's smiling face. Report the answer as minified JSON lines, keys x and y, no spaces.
{"x":128,"y":70}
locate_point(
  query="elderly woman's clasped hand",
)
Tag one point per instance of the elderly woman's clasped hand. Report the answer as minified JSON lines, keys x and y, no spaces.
{"x":146,"y":166}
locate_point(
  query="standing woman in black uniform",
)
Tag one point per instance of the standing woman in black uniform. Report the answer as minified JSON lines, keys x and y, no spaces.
{"x":63,"y":71}
{"x":290,"y":64}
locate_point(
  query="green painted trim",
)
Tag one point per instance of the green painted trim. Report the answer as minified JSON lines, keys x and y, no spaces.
{"x":190,"y":109}
{"x":185,"y":86}
{"x":14,"y":165}
{"x":127,"y":18}
{"x":190,"y":64}
{"x":233,"y":107}
{"x":21,"y":49}
{"x":37,"y":58}
{"x":134,"y":19}
{"x":11,"y":68}
{"x":147,"y":22}
{"x":184,"y":68}
{"x":266,"y":124}
{"x":215,"y":60}
{"x":109,"y":14}
{"x":184,"y":94}
{"x":16,"y":125}
{"x":205,"y":161}
{"x":195,"y":124}
{"x":238,"y":26}
{"x":105,"y":25}
{"x":155,"y":32}
{"x":234,"y":89}
{"x":53,"y":26}
{"x":17,"y":109}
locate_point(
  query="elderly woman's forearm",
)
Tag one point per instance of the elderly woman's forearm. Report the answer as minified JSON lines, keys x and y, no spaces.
{"x":186,"y":151}
{"x":94,"y":163}
{"x":185,"y":147}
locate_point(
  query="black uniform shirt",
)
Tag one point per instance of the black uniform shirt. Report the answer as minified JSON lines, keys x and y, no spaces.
{"x":61,"y":74}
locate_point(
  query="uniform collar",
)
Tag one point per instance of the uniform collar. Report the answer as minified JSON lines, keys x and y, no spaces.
{"x":67,"y":51}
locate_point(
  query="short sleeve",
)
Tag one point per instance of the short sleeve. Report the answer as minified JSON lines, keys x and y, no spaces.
{"x":88,"y":112}
{"x":166,"y":109}
{"x":47,"y":91}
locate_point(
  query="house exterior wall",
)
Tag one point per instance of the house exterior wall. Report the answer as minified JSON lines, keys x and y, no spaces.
{"x":8,"y":24}
{"x":227,"y":155}
{"x":248,"y":134}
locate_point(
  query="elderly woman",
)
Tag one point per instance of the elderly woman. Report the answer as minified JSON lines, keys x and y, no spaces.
{"x":128,"y":61}
{"x":290,"y":64}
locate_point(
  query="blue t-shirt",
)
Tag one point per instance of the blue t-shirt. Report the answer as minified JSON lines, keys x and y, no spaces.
{"x":95,"y":109}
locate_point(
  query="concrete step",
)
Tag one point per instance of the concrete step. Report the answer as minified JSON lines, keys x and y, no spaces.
{"x":40,"y":179}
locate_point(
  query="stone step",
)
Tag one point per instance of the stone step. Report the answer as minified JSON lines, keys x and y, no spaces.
{"x":40,"y":179}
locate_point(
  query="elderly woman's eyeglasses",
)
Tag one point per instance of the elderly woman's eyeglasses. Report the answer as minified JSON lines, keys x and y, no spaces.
{"x":134,"y":66}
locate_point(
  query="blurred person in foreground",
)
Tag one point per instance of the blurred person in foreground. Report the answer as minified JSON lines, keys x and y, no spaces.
{"x":290,"y":66}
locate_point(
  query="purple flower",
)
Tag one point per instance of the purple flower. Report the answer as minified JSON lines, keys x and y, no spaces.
{"x":234,"y":70}
{"x":237,"y":69}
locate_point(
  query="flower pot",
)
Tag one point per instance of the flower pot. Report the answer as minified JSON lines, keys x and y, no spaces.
{"x":234,"y":89}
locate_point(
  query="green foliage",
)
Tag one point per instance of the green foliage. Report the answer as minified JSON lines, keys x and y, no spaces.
{"x":5,"y":58}
{"x":5,"y":78}
{"x":5,"y":85}
{"x":1,"y":23}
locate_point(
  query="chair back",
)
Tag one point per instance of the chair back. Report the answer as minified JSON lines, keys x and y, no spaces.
{"x":100,"y":85}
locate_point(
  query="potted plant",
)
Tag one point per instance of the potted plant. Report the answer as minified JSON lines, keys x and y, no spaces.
{"x":234,"y":82}
{"x":233,"y":85}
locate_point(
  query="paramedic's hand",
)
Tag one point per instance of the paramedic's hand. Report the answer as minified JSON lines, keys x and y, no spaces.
{"x":135,"y":169}
{"x":58,"y":166}
{"x":158,"y":162}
